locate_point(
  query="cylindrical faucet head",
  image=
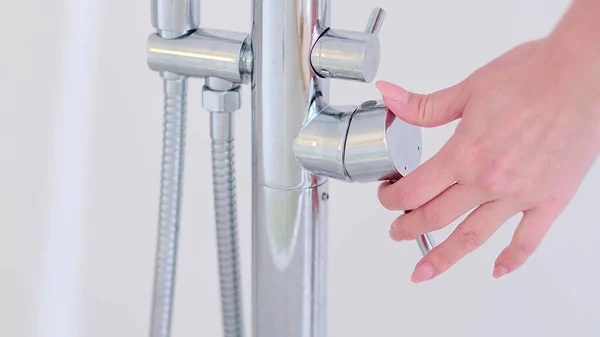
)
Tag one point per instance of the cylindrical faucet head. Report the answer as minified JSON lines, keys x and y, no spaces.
{"x":364,"y":144}
{"x":319,"y":146}
{"x":346,"y":55}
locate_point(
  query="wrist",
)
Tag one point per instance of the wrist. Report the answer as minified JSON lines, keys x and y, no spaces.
{"x":576,"y":38}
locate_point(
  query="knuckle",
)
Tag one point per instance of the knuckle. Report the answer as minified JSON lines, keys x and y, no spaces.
{"x":466,"y":156}
{"x":469,"y":238}
{"x":523,"y":196}
{"x":493,"y":181}
{"x":432,"y":218}
{"x":405,"y":198}
{"x":426,"y":107}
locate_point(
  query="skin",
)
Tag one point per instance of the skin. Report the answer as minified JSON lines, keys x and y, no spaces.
{"x":529,"y":132}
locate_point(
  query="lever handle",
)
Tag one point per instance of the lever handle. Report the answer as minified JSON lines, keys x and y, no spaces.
{"x":375,"y":21}
{"x":349,"y":55}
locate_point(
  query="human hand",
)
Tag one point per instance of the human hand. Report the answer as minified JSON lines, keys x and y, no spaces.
{"x":529,"y":132}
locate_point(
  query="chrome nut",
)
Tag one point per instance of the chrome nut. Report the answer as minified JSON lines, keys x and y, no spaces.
{"x":225,"y":101}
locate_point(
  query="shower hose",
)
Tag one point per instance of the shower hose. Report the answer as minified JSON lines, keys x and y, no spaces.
{"x":224,"y":193}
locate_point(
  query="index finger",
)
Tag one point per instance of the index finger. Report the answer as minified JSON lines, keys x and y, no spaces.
{"x":421,"y":185}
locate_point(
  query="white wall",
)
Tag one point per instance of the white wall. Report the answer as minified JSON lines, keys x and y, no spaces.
{"x":80,"y":134}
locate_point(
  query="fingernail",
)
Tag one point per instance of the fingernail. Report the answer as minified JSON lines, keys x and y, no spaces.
{"x":500,"y":271}
{"x":393,"y":92}
{"x":423,"y":272}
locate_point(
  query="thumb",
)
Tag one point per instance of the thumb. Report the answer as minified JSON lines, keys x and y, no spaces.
{"x":429,"y":110}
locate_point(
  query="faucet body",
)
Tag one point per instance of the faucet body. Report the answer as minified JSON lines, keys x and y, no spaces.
{"x":299,"y":141}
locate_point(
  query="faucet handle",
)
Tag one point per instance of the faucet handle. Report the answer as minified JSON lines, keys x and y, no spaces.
{"x":367,"y":143}
{"x":349,"y":55}
{"x":375,"y":21}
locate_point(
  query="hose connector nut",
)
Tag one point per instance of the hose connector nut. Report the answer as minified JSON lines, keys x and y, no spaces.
{"x":221,"y":100}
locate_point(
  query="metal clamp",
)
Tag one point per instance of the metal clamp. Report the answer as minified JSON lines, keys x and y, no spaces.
{"x":203,"y":53}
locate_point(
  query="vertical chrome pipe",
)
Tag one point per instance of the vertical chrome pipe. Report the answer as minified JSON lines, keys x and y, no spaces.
{"x":175,"y":18}
{"x":172,"y":19}
{"x":289,"y":204}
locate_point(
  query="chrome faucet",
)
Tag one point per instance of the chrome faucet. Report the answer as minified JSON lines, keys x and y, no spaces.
{"x":299,"y":141}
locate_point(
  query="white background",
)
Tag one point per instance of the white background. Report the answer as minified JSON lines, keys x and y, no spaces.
{"x":80,"y":134}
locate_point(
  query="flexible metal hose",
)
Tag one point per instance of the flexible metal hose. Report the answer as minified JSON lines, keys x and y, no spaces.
{"x":224,"y":193}
{"x":175,"y":88}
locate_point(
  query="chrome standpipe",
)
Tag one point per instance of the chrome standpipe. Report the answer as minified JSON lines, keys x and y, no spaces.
{"x":299,"y":141}
{"x":289,"y":204}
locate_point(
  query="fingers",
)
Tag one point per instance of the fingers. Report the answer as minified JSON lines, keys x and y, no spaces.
{"x":527,"y":238}
{"x":438,"y":213}
{"x":446,"y":105}
{"x":422,"y":184}
{"x":477,"y":228}
{"x":425,"y":110}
